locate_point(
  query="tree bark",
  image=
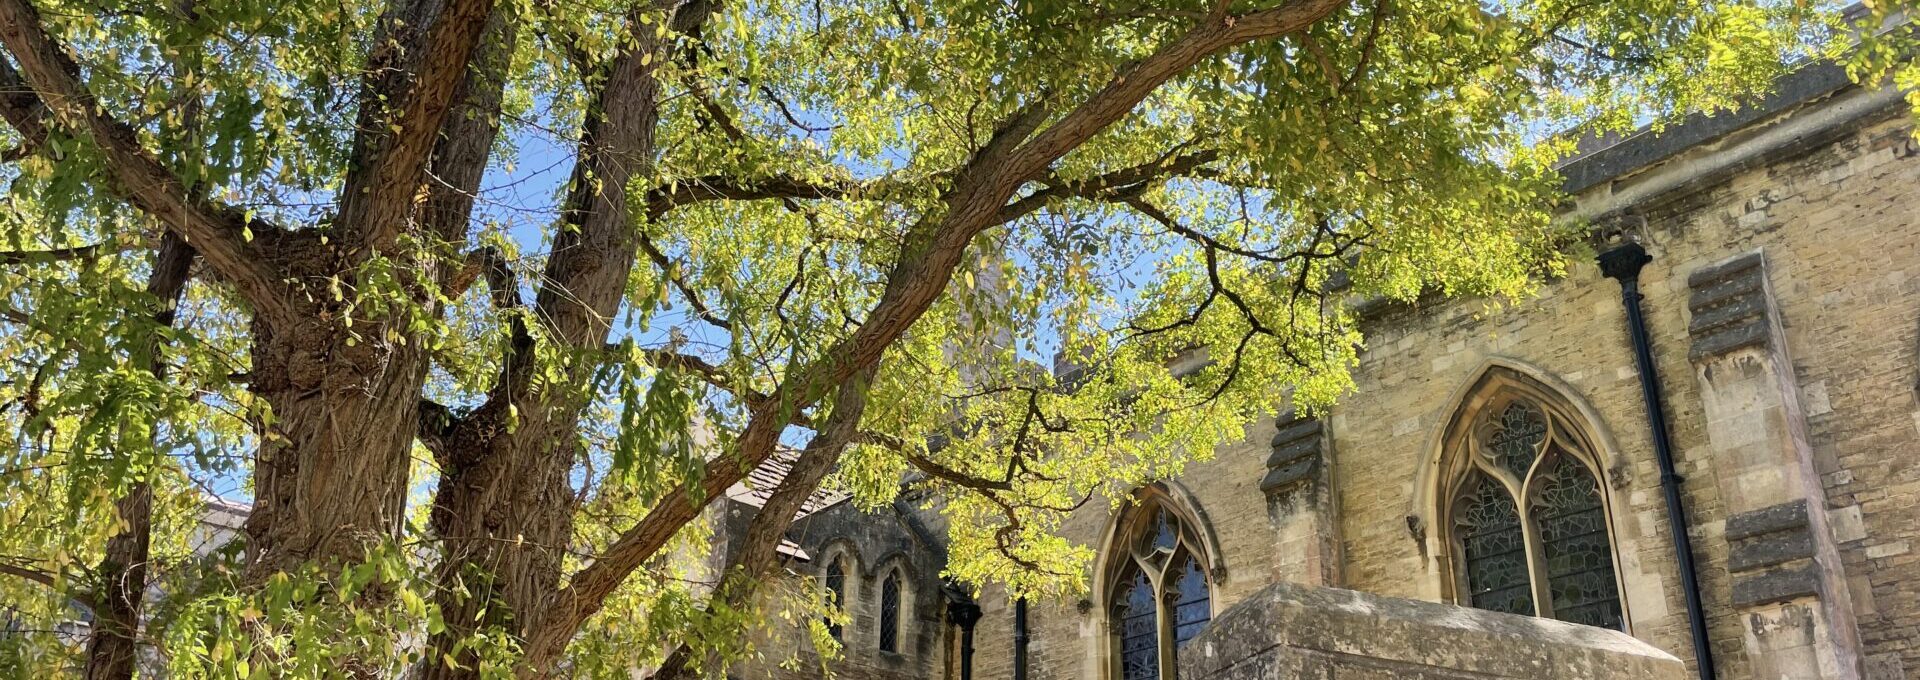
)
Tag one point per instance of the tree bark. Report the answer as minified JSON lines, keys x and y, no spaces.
{"x":112,"y":651}
{"x":740,"y":580}
{"x":504,"y":507}
{"x":331,"y":475}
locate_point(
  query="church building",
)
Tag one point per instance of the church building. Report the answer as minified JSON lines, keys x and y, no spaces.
{"x":1705,"y":436}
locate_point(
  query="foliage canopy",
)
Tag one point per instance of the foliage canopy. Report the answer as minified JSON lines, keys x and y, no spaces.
{"x":478,"y":303}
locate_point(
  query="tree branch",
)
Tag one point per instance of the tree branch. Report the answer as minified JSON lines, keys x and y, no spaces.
{"x":1125,"y":181}
{"x":663,"y":199}
{"x":754,"y":560}
{"x":931,"y":251}
{"x":220,"y":233}
{"x":83,"y":598}
{"x":122,"y":572}
{"x":52,"y":255}
{"x":437,"y":424}
{"x":378,"y":198}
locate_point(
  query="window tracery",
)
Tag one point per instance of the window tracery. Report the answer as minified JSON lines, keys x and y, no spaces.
{"x":1161,"y":594}
{"x":1528,"y":518}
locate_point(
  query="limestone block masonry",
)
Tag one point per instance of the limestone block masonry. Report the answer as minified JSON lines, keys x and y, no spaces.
{"x":1300,"y":506}
{"x":1787,"y":574}
{"x":1295,"y":632}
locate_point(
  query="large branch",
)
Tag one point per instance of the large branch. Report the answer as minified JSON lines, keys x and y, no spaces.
{"x":468,"y":133}
{"x":220,"y":233}
{"x":982,"y":191}
{"x":1218,"y":32}
{"x":122,"y":572}
{"x":379,"y":195}
{"x":730,"y":188}
{"x":932,"y":250}
{"x":1122,"y":181}
{"x":754,"y":560}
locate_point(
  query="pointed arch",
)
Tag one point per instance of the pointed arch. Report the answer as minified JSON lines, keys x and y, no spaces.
{"x":1159,"y":565}
{"x":890,"y":611}
{"x":841,"y":573}
{"x":894,"y":592}
{"x":1515,"y":502}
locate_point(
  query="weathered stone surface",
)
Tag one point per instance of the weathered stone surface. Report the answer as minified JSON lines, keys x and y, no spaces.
{"x":1772,"y":535}
{"x":1778,"y":585}
{"x":1292,"y":632}
{"x":1781,"y":517}
{"x":1299,"y":444}
{"x":1766,"y":550}
{"x":1729,"y":305}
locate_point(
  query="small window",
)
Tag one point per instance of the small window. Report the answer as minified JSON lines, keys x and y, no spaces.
{"x":890,"y":613}
{"x":836,"y":579}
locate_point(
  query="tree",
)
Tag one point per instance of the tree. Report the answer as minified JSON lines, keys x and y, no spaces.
{"x":469,"y":396}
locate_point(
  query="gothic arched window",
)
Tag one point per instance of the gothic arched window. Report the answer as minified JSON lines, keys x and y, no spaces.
{"x":1527,"y":518}
{"x":1160,"y":594}
{"x":836,"y":581}
{"x":890,"y":612}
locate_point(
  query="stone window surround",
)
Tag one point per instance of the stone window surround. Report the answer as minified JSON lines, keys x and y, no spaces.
{"x":1445,"y":469}
{"x":905,"y":632}
{"x":853,"y":575}
{"x":862,"y":583}
{"x":1196,"y":537}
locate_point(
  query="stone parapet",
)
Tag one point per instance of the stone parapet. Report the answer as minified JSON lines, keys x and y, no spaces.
{"x":1294,"y":632}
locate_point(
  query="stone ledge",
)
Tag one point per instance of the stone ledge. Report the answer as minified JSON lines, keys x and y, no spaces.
{"x":1298,"y":448}
{"x":1767,"y":520}
{"x":1767,"y":550}
{"x":1294,"y":632}
{"x":1773,"y":535}
{"x":1778,"y":585}
{"x":1730,"y":307}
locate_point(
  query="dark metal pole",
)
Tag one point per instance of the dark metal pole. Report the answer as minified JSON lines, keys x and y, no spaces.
{"x":964,"y":613}
{"x":1020,"y":639}
{"x":1624,"y":263}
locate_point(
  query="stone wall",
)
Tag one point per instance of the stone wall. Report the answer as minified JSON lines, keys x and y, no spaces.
{"x":872,"y":545}
{"x":1831,"y":210}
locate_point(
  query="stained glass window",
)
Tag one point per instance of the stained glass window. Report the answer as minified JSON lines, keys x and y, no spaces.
{"x":1548,"y":554}
{"x":890,"y":613}
{"x":1516,"y":438}
{"x":1573,"y":540}
{"x":1494,"y":548}
{"x":837,"y":592}
{"x":1161,"y":597}
{"x":1138,"y":617}
{"x":1192,"y":603}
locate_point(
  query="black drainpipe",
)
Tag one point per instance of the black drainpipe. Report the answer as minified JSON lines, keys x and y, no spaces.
{"x":1623,"y":263}
{"x":964,"y":613}
{"x":1020,"y":639}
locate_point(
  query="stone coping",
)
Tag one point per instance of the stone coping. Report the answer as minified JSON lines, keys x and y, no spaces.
{"x":1288,"y":631}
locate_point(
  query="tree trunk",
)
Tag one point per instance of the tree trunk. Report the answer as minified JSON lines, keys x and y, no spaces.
{"x":113,"y":649}
{"x":330,"y":475}
{"x":504,"y":509}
